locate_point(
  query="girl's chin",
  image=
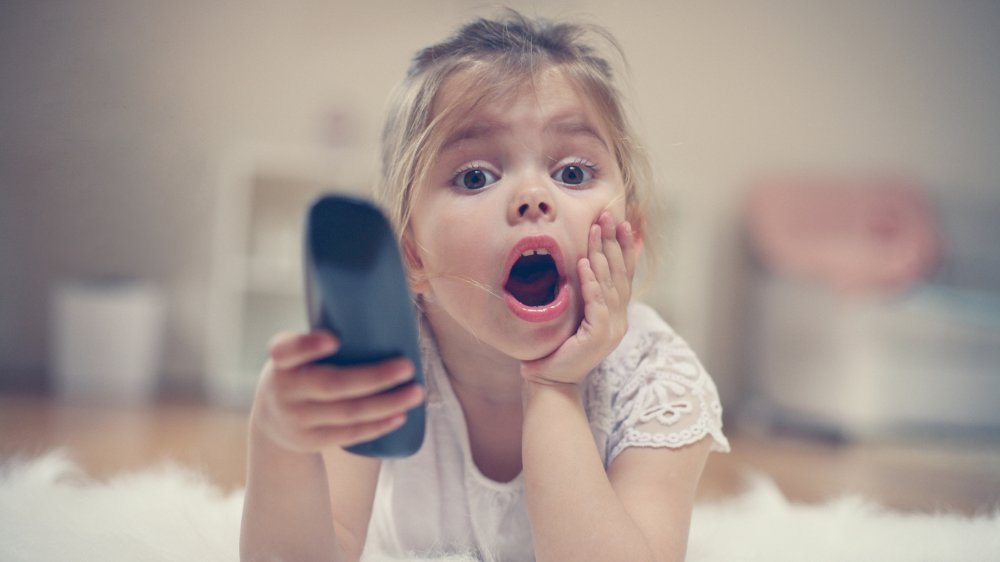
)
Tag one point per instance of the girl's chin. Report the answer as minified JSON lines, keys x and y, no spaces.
{"x":545,"y":343}
{"x":535,"y":355}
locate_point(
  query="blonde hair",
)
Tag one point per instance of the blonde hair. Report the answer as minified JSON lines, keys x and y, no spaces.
{"x":502,"y":54}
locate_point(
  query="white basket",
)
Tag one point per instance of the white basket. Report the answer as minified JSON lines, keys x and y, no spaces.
{"x":106,"y":340}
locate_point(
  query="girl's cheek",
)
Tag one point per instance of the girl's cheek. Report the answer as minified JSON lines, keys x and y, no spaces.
{"x":619,"y":211}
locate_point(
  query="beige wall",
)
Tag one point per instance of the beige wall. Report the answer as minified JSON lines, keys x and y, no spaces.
{"x":115,"y":116}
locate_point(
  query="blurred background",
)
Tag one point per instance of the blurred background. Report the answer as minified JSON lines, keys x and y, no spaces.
{"x":829,"y":172}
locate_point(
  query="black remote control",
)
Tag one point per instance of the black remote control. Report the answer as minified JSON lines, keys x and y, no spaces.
{"x":356,"y":288}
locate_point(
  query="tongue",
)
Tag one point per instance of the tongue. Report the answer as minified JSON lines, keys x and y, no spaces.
{"x":535,"y":285}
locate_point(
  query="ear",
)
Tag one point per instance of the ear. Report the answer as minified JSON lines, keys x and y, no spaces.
{"x":415,"y":273}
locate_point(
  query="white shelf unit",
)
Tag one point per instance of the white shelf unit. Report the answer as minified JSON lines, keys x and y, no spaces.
{"x":257,"y":284}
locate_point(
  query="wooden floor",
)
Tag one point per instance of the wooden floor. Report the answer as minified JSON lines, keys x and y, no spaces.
{"x":926,"y":477}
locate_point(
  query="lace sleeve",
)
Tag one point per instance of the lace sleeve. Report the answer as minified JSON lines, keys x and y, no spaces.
{"x":663,"y":397}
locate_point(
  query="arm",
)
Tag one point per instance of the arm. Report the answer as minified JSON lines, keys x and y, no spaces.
{"x":283,"y":487}
{"x":638,"y":510}
{"x":657,"y":488}
{"x":295,"y":508}
{"x":351,"y":481}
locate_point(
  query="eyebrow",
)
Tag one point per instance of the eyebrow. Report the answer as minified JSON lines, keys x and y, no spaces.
{"x":562,"y":126}
{"x":472,"y":132}
{"x":573,"y":126}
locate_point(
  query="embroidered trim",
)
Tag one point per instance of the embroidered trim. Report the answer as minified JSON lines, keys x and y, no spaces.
{"x":653,"y":392}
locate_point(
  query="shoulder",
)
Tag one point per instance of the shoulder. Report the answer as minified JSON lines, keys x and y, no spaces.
{"x":652,"y":391}
{"x":649,"y":337}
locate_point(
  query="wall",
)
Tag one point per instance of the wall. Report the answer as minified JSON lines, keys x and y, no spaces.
{"x":115,"y":116}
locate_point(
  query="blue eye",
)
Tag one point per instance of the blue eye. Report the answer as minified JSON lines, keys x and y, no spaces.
{"x":474,"y":178}
{"x":573,"y":174}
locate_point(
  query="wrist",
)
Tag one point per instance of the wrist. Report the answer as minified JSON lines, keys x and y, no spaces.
{"x":535,"y":391}
{"x":263,"y":439}
{"x":266,"y":456}
{"x":542,"y":373}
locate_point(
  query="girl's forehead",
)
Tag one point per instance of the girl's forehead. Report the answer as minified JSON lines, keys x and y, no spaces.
{"x":472,"y":95}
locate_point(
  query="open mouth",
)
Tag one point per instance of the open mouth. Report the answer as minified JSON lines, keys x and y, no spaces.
{"x":534,"y":278}
{"x":536,"y":288}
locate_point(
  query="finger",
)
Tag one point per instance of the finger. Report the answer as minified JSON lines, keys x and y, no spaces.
{"x":595,"y":254}
{"x":326,"y":383}
{"x":359,"y":410}
{"x":290,"y":351}
{"x":613,"y":252}
{"x":629,"y":247}
{"x":624,"y":270}
{"x":345,"y":436}
{"x":595,"y":308}
{"x":615,"y":282}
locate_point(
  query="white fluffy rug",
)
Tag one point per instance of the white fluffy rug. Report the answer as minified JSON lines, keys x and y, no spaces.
{"x":50,"y":511}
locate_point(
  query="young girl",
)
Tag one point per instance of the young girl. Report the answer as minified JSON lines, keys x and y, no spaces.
{"x":564,"y":422}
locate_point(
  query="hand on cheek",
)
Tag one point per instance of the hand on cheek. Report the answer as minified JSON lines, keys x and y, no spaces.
{"x":606,"y":286}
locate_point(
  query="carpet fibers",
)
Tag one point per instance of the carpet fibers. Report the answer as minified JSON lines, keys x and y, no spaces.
{"x":49,"y":510}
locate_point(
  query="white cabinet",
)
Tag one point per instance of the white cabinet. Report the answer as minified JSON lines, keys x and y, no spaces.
{"x":257,"y":283}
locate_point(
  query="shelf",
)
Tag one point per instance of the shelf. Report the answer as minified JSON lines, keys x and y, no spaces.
{"x":257,"y":285}
{"x":277,"y":276}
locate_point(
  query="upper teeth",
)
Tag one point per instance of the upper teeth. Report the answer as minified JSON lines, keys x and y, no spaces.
{"x":539,"y":252}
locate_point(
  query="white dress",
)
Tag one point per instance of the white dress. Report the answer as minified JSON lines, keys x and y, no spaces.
{"x":650,"y":392}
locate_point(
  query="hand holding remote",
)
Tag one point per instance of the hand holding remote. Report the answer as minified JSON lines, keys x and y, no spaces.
{"x":356,"y":289}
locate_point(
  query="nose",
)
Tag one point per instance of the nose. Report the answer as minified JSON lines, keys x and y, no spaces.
{"x":532,"y":204}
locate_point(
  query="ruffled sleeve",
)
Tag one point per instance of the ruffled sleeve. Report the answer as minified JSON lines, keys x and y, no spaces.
{"x":653,"y":392}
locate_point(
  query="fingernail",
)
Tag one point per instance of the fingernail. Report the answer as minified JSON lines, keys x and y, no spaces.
{"x":328,"y":343}
{"x":417,"y":394}
{"x":420,"y":391}
{"x":406,"y":368}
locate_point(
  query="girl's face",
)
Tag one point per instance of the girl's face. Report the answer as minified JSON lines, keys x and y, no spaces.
{"x":499,"y":225}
